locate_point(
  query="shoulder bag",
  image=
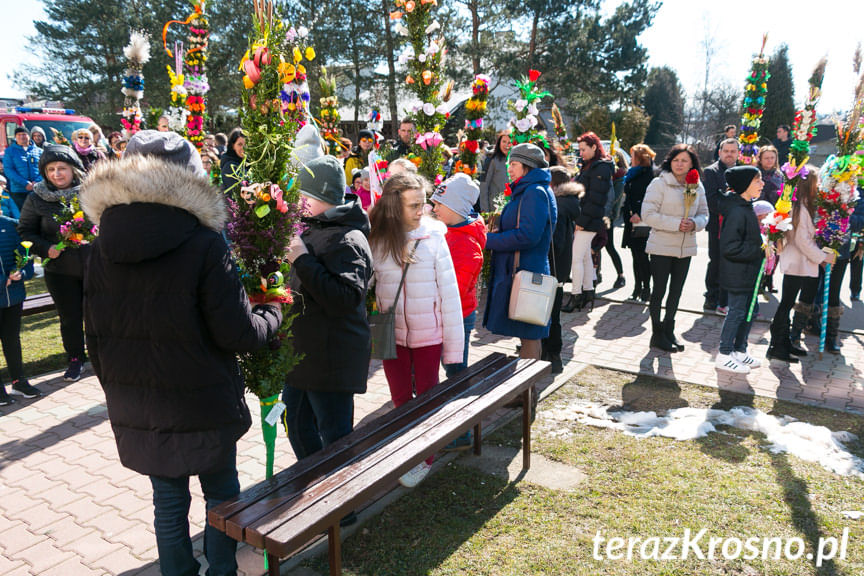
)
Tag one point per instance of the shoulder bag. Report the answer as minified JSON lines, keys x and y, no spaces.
{"x":532,"y":294}
{"x":382,"y":326}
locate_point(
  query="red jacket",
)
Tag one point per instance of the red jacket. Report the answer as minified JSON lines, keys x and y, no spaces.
{"x":466,"y":243}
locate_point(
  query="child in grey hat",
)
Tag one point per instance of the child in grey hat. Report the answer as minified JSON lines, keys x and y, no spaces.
{"x":466,"y":238}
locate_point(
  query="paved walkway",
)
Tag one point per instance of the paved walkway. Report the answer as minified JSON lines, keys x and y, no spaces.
{"x":68,"y":508}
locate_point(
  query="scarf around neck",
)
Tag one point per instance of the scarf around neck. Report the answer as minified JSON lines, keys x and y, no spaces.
{"x":85,"y":151}
{"x":41,"y":189}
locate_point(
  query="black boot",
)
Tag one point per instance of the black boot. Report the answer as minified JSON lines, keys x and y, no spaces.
{"x":646,"y":294}
{"x":557,"y":364}
{"x":779,"y":347}
{"x":571,"y":303}
{"x":587,"y":300}
{"x":658,"y":337}
{"x":832,"y":330}
{"x":669,"y":332}
{"x":799,"y":322}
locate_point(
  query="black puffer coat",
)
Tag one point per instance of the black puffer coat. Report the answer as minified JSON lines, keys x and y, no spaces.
{"x":37,"y":224}
{"x":165,"y":313}
{"x":740,"y":244}
{"x":635,"y":186}
{"x":561,"y":249}
{"x":329,"y":284}
{"x":597,"y":201}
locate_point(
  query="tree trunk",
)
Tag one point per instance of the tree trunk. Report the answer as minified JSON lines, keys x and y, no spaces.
{"x":391,"y":69}
{"x":532,"y":45}
{"x":355,"y":57}
{"x":475,"y":36}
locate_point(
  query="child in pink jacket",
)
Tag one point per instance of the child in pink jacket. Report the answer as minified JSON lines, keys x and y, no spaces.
{"x":429,"y":325}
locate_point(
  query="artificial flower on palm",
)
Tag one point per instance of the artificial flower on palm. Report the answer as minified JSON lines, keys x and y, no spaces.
{"x":755,"y":93}
{"x":137,"y":54}
{"x":523,"y":125}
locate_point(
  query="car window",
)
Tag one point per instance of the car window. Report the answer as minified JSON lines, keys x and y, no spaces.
{"x":66,"y":127}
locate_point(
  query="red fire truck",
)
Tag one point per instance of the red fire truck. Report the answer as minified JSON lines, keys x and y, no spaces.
{"x":63,"y":120}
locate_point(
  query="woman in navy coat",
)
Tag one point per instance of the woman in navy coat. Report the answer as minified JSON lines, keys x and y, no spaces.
{"x":528,"y":232}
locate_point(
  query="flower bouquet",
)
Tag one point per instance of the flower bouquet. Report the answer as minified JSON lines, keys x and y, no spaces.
{"x":76,"y":230}
{"x":753,"y":106}
{"x":691,"y":183}
{"x":523,"y":126}
{"x":329,"y":115}
{"x":189,"y":84}
{"x":425,"y":66}
{"x":265,"y":207}
{"x":475,"y":108}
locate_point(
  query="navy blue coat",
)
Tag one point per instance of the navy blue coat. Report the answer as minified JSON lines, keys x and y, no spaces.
{"x":9,"y":242}
{"x":532,"y":239}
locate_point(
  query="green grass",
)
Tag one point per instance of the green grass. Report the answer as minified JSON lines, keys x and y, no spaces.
{"x":41,"y":345}
{"x":460,"y":521}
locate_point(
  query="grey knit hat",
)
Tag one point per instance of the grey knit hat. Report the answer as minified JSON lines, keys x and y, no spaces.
{"x":323,"y":178}
{"x":458,"y":193}
{"x":529,"y":155}
{"x":168,"y":146}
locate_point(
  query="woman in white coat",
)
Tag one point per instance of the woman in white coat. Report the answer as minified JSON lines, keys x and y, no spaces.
{"x":672,"y":241}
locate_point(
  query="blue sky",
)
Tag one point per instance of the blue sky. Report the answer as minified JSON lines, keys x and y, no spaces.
{"x":675,"y":40}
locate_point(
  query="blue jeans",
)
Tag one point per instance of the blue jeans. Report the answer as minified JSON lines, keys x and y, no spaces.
{"x":315,"y":419}
{"x":736,"y":328}
{"x":171,"y":500}
{"x":453,"y":369}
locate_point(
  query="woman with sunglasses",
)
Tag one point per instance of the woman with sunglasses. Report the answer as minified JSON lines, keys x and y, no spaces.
{"x":359,"y":157}
{"x":85,"y":148}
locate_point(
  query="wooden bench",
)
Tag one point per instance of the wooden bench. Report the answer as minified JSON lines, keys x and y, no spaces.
{"x":285,"y":513}
{"x":37,"y":303}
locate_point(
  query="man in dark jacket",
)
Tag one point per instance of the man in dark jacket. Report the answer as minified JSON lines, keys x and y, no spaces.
{"x":741,"y":251}
{"x":21,"y":166}
{"x":403,"y":144}
{"x":330,"y":273}
{"x":165,"y":315}
{"x":713,"y":178}
{"x":782,"y":143}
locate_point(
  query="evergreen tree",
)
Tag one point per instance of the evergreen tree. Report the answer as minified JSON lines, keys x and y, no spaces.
{"x":80,"y":45}
{"x":664,"y":104}
{"x":780,"y":102}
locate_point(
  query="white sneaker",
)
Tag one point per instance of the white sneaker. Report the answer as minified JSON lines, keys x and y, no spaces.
{"x":728,"y":363}
{"x":414,"y":476}
{"x":746,"y":360}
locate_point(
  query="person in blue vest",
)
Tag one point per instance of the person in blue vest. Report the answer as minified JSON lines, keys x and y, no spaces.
{"x":11,"y":304}
{"x":21,"y":165}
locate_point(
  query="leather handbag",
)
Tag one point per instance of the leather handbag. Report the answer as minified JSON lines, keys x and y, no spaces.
{"x":382,"y":326}
{"x":639,"y":231}
{"x":532,"y":294}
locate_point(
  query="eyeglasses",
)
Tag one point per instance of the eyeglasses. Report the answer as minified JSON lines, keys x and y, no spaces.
{"x":84,"y":138}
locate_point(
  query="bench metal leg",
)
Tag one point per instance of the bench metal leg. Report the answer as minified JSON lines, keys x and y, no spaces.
{"x":478,"y":440}
{"x":334,"y":546}
{"x":526,"y":428}
{"x":272,"y":564}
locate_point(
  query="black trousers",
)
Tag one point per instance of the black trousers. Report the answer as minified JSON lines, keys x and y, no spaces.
{"x":68,"y":295}
{"x":713,"y":293}
{"x":838,"y":270}
{"x":856,"y":271}
{"x":641,"y":264}
{"x":613,"y":253}
{"x":672,"y":272}
{"x":10,"y":336}
{"x":554,"y":343}
{"x":792,"y":286}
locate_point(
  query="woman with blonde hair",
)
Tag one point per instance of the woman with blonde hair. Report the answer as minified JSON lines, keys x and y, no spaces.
{"x":636,"y":182}
{"x":84,"y":145}
{"x":769,"y":165}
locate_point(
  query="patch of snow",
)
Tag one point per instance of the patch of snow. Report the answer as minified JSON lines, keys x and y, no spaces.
{"x":853,"y":514}
{"x":784,"y":435}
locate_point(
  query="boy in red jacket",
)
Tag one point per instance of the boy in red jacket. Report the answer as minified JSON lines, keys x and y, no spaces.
{"x":466,"y":238}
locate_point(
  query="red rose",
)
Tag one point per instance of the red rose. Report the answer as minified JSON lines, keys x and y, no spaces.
{"x":692,"y":177}
{"x":533,"y":75}
{"x":471,"y":146}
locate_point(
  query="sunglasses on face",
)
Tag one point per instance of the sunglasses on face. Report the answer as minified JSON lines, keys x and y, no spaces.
{"x":365,"y":140}
{"x":83,"y":137}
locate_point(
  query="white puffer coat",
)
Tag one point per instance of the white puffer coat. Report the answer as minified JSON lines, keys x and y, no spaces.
{"x":663,"y":208}
{"x":429,"y":311}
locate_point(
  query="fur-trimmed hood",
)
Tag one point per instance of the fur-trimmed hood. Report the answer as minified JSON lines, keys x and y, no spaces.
{"x":570,"y":189}
{"x":143,"y":179}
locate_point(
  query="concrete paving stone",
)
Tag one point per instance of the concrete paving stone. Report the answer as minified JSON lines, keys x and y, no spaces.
{"x":13,"y":473}
{"x":22,"y":570}
{"x":83,"y":510}
{"x":112,"y":522}
{"x":91,"y":546}
{"x":120,"y":561}
{"x":66,"y":531}
{"x":39,"y":516}
{"x":137,"y":540}
{"x":73,"y":566}
{"x":7,"y":525}
{"x":76,"y":478}
{"x":14,"y":502}
{"x":8,"y":565}
{"x":42,"y":556}
{"x":39,"y":483}
{"x":102,"y":491}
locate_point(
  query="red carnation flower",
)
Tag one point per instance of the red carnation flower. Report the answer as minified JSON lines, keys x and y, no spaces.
{"x":692,"y":177}
{"x":533,"y":75}
{"x":471,"y":146}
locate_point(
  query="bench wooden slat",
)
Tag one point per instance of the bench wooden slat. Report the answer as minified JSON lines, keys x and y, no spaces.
{"x":233,"y":516}
{"x":37,"y":304}
{"x":287,"y":528}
